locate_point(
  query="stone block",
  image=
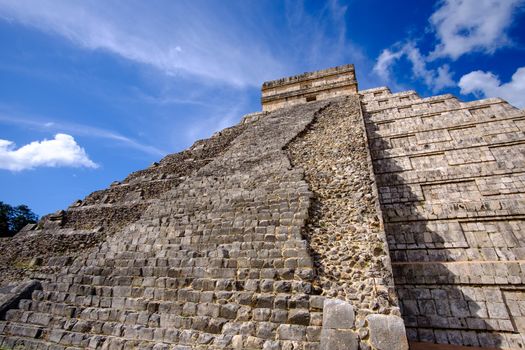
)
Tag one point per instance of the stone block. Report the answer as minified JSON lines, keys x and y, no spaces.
{"x":271,"y":345}
{"x":338,"y":339}
{"x":299,"y":316}
{"x":387,"y":332}
{"x":291,"y":332}
{"x":338,"y":314}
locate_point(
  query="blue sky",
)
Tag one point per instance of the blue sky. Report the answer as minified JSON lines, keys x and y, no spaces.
{"x":92,"y":90}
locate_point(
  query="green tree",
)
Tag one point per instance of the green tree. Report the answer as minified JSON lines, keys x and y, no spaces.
{"x":13,"y":219}
{"x":5,"y":210}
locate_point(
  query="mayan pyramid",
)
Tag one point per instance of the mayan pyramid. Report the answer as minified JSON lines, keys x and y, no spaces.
{"x":336,"y":218}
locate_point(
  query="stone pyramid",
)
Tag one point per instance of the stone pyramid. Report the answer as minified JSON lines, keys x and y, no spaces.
{"x":333,"y":219}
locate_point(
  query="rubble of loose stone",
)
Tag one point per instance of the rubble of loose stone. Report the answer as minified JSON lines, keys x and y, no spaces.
{"x":344,"y":228}
{"x":27,"y":254}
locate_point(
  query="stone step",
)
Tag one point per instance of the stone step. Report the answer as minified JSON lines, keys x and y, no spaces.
{"x":67,"y":304}
{"x":197,"y":329}
{"x":257,"y":260}
{"x":22,"y":330}
{"x":138,"y":286}
{"x":280,"y":245}
{"x":14,"y":342}
{"x":290,"y":269}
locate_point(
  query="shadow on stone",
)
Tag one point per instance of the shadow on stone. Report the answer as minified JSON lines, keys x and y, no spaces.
{"x":438,"y":305}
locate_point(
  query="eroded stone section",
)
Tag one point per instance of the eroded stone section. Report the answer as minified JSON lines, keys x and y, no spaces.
{"x":28,"y":254}
{"x":450,"y":177}
{"x":60,"y":237}
{"x":344,"y":229}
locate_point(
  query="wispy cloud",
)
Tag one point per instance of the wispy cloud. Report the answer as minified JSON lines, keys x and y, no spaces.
{"x":465,"y":26}
{"x":320,"y":39}
{"x":231,"y":44}
{"x":206,"y":126}
{"x":435,"y":79}
{"x":182,"y":39}
{"x":487,"y":84}
{"x":62,"y":151}
{"x":460,"y":27}
{"x":78,"y":130}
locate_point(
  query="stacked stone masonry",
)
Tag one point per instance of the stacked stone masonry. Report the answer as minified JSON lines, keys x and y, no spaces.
{"x":88,"y":222}
{"x":308,"y":87}
{"x":218,"y":262}
{"x":344,"y":229}
{"x":312,"y":226}
{"x":451,"y":183}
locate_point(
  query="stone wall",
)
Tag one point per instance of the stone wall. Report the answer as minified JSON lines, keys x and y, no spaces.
{"x":451,"y":183}
{"x":344,"y":228}
{"x":224,"y":259}
{"x":58,"y":238}
{"x":308,"y":87}
{"x":309,"y":227}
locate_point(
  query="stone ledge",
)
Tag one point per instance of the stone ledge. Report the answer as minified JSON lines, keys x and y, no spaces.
{"x":11,"y":295}
{"x":309,"y":76}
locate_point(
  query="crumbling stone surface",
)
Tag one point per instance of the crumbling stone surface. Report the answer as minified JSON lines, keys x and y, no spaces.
{"x":61,"y":236}
{"x":109,"y":218}
{"x":344,"y":228}
{"x":270,"y":236}
{"x":28,"y":253}
{"x":219,"y":262}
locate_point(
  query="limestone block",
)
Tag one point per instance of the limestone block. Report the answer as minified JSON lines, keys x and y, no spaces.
{"x":387,"y":332}
{"x":338,"y":314}
{"x":338,"y":339}
{"x":291,"y":332}
{"x":271,"y":345}
{"x":299,"y":316}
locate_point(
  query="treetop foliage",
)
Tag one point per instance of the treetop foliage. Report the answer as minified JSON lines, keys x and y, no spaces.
{"x":13,"y":219}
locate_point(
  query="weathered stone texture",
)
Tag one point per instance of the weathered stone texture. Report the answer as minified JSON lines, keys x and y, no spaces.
{"x":218,"y":262}
{"x":450,"y":177}
{"x":270,"y":235}
{"x":344,"y":229}
{"x":59,"y":237}
{"x":387,"y":332}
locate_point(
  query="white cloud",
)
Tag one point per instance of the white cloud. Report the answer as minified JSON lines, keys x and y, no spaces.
{"x":486,"y":84}
{"x":464,"y":26}
{"x":436,"y":79}
{"x":61,"y":151}
{"x":385,"y":61}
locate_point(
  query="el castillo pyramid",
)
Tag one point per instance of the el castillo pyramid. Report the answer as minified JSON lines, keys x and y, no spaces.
{"x":334,"y":219}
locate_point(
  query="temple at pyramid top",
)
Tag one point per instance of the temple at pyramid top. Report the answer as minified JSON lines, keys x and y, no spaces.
{"x":307,"y":87}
